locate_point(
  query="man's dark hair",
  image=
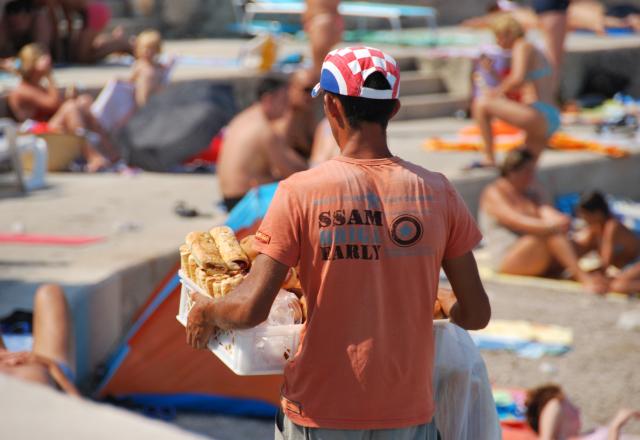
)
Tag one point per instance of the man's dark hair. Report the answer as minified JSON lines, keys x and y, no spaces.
{"x":594,"y":202}
{"x":378,"y":111}
{"x":270,"y":84}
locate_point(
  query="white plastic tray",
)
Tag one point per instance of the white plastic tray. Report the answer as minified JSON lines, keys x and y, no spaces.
{"x":257,"y":351}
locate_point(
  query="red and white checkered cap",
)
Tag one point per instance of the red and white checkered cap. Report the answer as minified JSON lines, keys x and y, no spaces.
{"x":344,"y":72}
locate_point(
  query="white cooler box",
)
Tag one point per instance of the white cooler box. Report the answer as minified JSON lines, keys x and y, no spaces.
{"x":261,"y":350}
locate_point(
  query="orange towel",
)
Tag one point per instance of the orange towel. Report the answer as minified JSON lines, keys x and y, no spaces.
{"x":508,"y":138}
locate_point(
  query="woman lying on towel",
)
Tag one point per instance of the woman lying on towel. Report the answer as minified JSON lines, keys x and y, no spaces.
{"x":524,"y":235}
{"x":37,"y":99}
{"x":553,"y":416}
{"x":616,"y":245}
{"x":530,"y":72}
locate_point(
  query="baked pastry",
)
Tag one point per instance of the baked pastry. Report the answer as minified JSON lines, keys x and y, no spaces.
{"x":206,"y":253}
{"x":291,"y":281}
{"x":184,"y":259}
{"x":230,"y":250}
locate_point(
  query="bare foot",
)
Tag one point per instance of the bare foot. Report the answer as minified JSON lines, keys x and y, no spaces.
{"x":594,"y":283}
{"x":97,"y":163}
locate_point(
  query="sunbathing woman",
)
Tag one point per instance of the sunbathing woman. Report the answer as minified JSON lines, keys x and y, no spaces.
{"x":616,"y":245}
{"x":536,"y":115}
{"x":37,"y":98}
{"x":48,"y":362}
{"x":524,"y":235}
{"x":553,"y":416}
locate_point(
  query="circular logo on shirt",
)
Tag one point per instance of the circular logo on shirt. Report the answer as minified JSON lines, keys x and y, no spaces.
{"x":406,"y":230}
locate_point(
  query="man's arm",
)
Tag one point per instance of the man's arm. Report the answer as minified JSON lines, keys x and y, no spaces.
{"x":472,"y":310}
{"x":246,"y":306}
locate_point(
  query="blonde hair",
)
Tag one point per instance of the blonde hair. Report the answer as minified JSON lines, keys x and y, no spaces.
{"x":28,"y":57}
{"x":149,"y":37}
{"x":506,"y":24}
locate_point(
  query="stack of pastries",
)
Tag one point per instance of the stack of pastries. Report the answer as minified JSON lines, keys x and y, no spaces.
{"x":217,"y":262}
{"x":214,"y":260}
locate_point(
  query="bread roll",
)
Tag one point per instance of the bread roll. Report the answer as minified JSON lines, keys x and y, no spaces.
{"x":230,"y":250}
{"x":247,"y":246}
{"x":206,"y":253}
{"x":184,"y":259}
{"x":192,"y":266}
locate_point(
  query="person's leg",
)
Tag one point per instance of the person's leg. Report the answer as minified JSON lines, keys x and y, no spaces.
{"x":529,"y":256}
{"x":71,"y":118}
{"x":51,"y":324}
{"x":325,"y":31}
{"x":554,"y":31}
{"x":517,"y":114}
{"x":628,"y":281}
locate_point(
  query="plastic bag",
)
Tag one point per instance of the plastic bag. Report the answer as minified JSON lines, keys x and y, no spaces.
{"x":465,"y":407}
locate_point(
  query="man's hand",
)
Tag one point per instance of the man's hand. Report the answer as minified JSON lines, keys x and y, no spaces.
{"x":447,"y":299}
{"x":200,"y":323}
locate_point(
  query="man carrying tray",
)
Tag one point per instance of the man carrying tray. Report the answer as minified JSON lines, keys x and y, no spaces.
{"x":369,"y":233}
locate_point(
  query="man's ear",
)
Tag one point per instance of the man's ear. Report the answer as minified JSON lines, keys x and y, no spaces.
{"x":334,"y":109}
{"x":396,"y":109}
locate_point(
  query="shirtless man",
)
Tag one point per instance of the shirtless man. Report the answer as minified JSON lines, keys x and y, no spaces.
{"x":299,"y":122}
{"x":253,"y":151}
{"x":324,"y":25}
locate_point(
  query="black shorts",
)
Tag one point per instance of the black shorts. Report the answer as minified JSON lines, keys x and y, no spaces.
{"x":622,"y":10}
{"x":542,"y":6}
{"x":230,"y":202}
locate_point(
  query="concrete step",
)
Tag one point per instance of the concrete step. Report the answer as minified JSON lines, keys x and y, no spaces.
{"x":416,"y":83}
{"x":135,"y":25}
{"x":433,"y":105}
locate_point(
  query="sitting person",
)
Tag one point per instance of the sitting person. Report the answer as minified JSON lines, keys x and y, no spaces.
{"x":524,"y":235}
{"x":148,"y":76}
{"x":616,"y":245}
{"x":553,"y":416}
{"x":253,"y":152}
{"x":298,"y":123}
{"x":37,"y":98}
{"x":49,"y":360}
{"x":537,"y":115}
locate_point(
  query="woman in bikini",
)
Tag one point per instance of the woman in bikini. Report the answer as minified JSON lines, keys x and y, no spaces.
{"x":616,"y":245}
{"x":524,"y":235}
{"x":37,"y":98}
{"x":48,"y":362}
{"x":530,"y":72}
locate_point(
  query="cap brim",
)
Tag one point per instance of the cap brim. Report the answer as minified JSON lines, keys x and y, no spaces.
{"x":316,"y":90}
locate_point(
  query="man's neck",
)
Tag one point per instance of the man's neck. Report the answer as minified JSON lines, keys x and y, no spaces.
{"x":368,"y":142}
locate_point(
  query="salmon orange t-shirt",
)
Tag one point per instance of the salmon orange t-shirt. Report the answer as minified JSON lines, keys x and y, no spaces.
{"x":369,"y":237}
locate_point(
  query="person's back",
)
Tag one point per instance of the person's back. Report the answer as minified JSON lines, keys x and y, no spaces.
{"x":242,"y":164}
{"x":379,"y":228}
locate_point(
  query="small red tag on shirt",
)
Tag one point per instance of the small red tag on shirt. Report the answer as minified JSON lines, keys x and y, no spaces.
{"x":262,"y":237}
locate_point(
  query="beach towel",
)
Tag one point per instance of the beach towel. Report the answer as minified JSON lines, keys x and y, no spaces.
{"x":468,"y":139}
{"x":51,"y":240}
{"x":526,"y":339}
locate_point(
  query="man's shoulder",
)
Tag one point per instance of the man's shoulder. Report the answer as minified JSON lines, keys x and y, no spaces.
{"x":431,"y":178}
{"x":321,"y":173}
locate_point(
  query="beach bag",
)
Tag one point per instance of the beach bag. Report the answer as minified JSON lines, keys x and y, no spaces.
{"x":465,"y":408}
{"x":176,"y":124}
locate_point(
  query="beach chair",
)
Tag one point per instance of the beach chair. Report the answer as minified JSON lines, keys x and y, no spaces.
{"x":393,"y":13}
{"x":17,"y":149}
